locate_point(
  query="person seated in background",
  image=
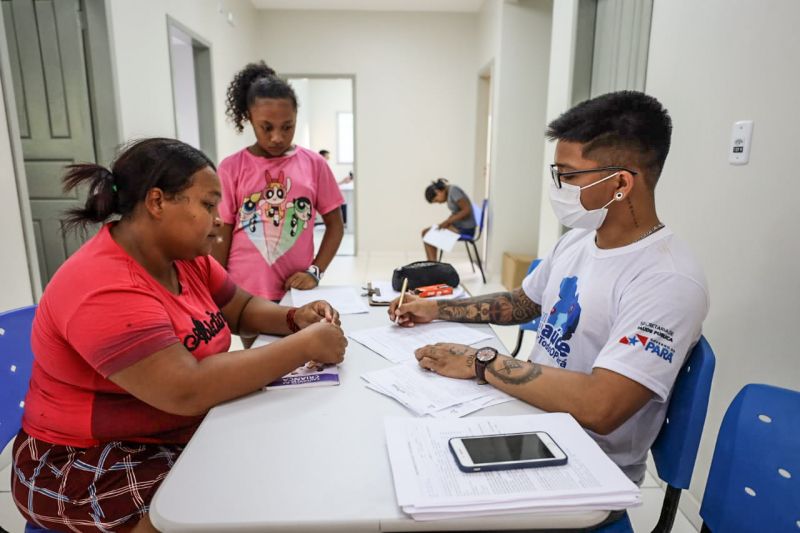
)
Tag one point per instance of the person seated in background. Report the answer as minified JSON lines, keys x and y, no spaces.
{"x":621,"y":298}
{"x":461,"y":219}
{"x":131,"y":339}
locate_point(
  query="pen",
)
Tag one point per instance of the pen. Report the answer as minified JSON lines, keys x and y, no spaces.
{"x":402,"y":294}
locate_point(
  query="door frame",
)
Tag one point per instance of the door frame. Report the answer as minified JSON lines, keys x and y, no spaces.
{"x":106,"y":133}
{"x":353,"y":95}
{"x":204,"y":86}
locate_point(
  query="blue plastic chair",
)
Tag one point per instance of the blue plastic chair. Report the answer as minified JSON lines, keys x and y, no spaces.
{"x":754,"y":480}
{"x":467,"y":239}
{"x":533,"y":325}
{"x":16,"y":361}
{"x":675,"y":448}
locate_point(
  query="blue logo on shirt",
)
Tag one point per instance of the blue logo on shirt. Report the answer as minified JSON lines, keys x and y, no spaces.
{"x":562,"y":322}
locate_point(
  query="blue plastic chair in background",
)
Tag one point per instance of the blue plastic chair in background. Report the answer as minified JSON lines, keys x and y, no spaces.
{"x":675,"y":448}
{"x":533,"y":325}
{"x":15,"y":369}
{"x":480,"y":219}
{"x":754,"y":480}
{"x":16,"y":361}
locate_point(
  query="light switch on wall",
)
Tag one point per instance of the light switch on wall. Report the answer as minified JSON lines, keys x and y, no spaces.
{"x":741,"y":138}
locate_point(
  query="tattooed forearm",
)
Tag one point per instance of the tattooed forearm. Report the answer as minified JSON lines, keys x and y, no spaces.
{"x":502,"y":308}
{"x":514,"y":372}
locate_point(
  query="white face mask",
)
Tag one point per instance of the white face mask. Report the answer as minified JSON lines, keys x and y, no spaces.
{"x":567,"y":206}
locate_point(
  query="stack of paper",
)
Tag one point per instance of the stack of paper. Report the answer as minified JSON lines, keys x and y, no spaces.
{"x":429,"y":485}
{"x":398,"y":344}
{"x":426,"y":393}
{"x":344,"y":299}
{"x":387,"y":293}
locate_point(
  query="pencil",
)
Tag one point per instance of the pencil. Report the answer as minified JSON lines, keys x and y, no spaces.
{"x":402,"y":294}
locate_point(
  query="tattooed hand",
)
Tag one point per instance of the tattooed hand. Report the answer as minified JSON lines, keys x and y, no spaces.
{"x":448,"y":359}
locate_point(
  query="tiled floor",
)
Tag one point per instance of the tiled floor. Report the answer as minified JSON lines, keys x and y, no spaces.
{"x":353,"y":270}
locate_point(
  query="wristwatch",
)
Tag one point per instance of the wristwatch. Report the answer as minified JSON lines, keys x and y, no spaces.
{"x":483,"y":357}
{"x":315,"y":272}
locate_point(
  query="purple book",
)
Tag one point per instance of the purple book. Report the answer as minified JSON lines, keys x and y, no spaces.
{"x":309,"y":375}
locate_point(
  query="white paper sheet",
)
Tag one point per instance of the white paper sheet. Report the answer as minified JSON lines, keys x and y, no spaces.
{"x":491,"y":398}
{"x":398,"y":344}
{"x":346,"y":300}
{"x":444,"y":239}
{"x":425,"y":392}
{"x":429,"y":485}
{"x":388,"y":293}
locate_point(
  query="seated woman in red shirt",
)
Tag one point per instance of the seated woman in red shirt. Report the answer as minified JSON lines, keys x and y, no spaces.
{"x":131,"y":341}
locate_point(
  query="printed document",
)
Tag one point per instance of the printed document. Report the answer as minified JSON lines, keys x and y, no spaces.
{"x":398,"y":344}
{"x":429,"y":485}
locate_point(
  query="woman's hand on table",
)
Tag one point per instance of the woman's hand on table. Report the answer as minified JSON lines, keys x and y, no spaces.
{"x":324,"y":342}
{"x":316,"y":311}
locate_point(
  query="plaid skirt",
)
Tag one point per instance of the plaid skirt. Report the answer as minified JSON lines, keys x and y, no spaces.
{"x":104,"y":488}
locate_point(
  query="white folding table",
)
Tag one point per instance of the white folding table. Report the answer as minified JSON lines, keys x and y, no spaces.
{"x":312,"y":459}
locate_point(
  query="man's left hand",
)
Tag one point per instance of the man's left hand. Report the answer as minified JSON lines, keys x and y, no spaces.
{"x":448,"y":359}
{"x":314,"y":312}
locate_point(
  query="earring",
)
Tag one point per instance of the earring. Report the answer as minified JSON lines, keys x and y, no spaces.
{"x":618,"y":196}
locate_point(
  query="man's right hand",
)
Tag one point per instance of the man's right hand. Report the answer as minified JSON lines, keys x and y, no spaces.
{"x":415,"y":310}
{"x":325,"y":342}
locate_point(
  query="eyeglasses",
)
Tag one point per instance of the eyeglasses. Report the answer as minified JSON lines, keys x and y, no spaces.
{"x":556,"y":175}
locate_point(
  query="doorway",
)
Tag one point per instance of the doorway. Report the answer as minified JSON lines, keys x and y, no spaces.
{"x":193,"y":102}
{"x":326,"y":122}
{"x":56,"y":75}
{"x":483,"y":148}
{"x":45,"y":45}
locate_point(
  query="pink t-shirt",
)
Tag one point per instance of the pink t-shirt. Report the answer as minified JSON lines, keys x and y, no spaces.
{"x":272,"y":204}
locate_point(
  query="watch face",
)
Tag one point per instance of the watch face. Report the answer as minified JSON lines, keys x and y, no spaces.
{"x":486,"y":354}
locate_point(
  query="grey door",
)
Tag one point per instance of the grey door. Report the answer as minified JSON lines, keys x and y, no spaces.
{"x":45,"y":45}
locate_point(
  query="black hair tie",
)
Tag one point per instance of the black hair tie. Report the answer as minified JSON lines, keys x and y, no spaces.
{"x":108,"y":175}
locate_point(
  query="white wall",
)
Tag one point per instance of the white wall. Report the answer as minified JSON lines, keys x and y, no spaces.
{"x":559,"y":99}
{"x":520,"y":33}
{"x":415,"y":86}
{"x":16,"y":286}
{"x":734,"y":60}
{"x":141,"y":57}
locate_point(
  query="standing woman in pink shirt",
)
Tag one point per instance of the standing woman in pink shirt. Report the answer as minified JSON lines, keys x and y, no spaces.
{"x":272,"y":192}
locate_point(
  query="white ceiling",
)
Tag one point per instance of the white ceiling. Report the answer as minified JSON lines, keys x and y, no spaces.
{"x":461,"y":6}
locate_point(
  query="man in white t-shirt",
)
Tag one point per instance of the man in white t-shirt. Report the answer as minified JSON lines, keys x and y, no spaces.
{"x":621,"y":298}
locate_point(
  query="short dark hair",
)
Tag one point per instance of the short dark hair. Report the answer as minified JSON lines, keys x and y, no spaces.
{"x":168,"y":164}
{"x":323,"y":153}
{"x":256,"y":80}
{"x":624,"y":128}
{"x":435,"y":186}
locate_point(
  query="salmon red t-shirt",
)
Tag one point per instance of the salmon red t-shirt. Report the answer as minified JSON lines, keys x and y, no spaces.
{"x":101,"y":313}
{"x":272,"y":204}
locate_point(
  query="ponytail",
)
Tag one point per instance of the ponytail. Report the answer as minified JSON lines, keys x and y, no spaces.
{"x":141,"y":165}
{"x":256,"y":80}
{"x":101,"y":199}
